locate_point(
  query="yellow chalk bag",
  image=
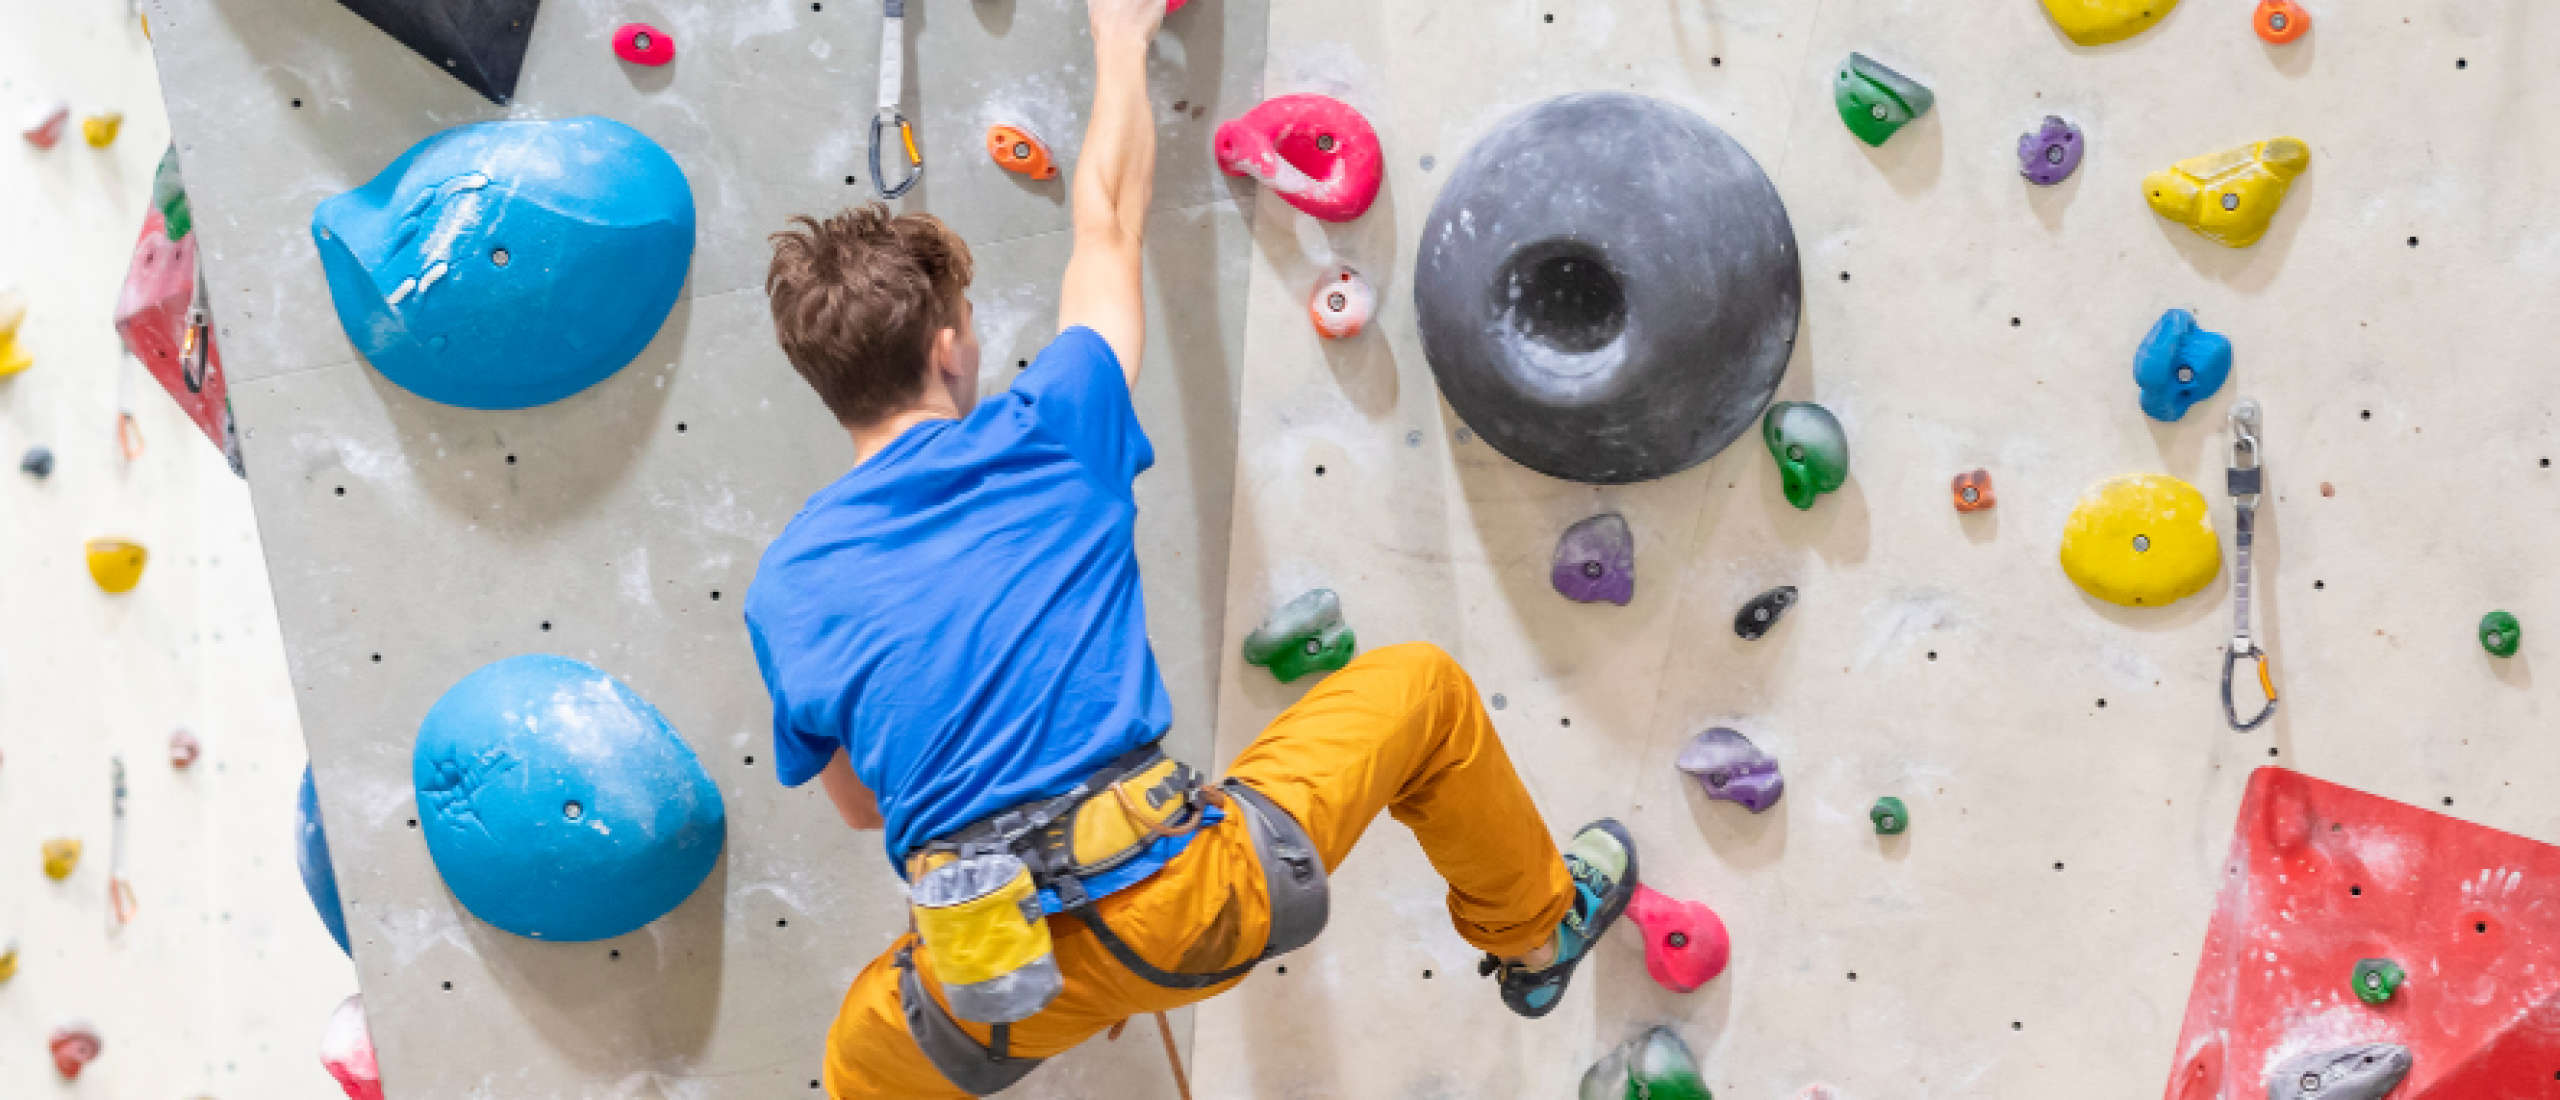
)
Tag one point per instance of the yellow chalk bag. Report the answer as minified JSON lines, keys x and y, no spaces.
{"x":982,"y":926}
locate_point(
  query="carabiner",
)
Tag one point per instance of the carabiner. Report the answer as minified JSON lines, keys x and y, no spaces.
{"x":2247,"y":484}
{"x":915,"y":160}
{"x":2266,"y":683}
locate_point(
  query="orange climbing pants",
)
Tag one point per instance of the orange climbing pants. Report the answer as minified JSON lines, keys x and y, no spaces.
{"x":1400,"y":730}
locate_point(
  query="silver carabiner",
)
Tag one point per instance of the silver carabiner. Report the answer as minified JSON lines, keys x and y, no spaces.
{"x":2247,"y":485}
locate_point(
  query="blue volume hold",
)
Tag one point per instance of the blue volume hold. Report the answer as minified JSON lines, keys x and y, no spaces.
{"x":503,"y":265}
{"x":559,"y":805}
{"x":2179,"y":364}
{"x":319,"y":878}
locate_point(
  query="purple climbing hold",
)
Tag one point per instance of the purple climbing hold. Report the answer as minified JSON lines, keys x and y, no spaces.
{"x":1596,"y":560}
{"x":1733,"y":769}
{"x":2049,"y":155}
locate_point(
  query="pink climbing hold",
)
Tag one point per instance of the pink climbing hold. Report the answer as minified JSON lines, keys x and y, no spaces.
{"x":45,"y":127}
{"x":642,"y":44}
{"x":75,"y":1045}
{"x":346,"y":1051}
{"x":1685,"y":944}
{"x":1314,"y":150}
{"x":1172,"y":6}
{"x":184,"y":749}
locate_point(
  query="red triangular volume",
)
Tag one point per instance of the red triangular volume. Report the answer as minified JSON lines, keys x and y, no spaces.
{"x":480,"y":42}
{"x":2321,"y":877}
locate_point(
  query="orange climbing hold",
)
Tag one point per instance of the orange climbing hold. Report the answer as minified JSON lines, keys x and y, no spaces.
{"x":1018,"y":149}
{"x":1343,"y":304}
{"x":116,"y":564}
{"x":2281,"y":21}
{"x":1973,"y":492}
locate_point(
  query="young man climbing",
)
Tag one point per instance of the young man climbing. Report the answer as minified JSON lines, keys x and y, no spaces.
{"x":955,"y":644}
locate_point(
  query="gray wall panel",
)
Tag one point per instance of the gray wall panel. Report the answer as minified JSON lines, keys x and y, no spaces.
{"x":626,"y":507}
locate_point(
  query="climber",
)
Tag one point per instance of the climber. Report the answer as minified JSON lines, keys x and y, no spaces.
{"x":953,"y":637}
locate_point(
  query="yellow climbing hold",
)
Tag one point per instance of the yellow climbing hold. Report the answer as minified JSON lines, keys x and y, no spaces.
{"x":2141,"y":541}
{"x":2229,"y":197}
{"x":8,"y":958}
{"x":117,"y":564}
{"x":2098,"y":22}
{"x":13,"y":312}
{"x":61,"y":854}
{"x":100,"y":130}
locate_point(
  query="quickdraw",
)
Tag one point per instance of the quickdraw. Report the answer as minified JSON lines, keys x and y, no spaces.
{"x":2247,"y":484}
{"x":893,"y":78}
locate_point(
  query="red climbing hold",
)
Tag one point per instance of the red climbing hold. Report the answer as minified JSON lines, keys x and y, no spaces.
{"x":1314,"y":150}
{"x":1172,"y":6}
{"x":2321,"y":876}
{"x":183,"y":750}
{"x":1685,"y":944}
{"x":642,"y":44}
{"x":346,"y":1051}
{"x":75,"y":1045}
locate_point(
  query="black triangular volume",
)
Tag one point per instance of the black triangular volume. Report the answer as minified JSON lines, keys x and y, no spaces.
{"x":480,"y":42}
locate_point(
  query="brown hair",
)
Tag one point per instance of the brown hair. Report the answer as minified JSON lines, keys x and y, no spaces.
{"x":857,"y":300}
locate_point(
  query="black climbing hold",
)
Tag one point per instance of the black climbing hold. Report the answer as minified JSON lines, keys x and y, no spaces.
{"x":1608,"y":289}
{"x":1762,"y":613}
{"x":480,"y":42}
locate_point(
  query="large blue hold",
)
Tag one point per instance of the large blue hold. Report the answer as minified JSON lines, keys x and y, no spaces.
{"x":2179,"y":364}
{"x":559,"y":805}
{"x":319,"y":877}
{"x":503,"y":265}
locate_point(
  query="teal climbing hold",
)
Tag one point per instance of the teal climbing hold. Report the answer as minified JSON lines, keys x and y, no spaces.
{"x":559,"y":805}
{"x":503,"y":265}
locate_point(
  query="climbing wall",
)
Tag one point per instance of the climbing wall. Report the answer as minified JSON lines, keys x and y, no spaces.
{"x":2071,"y":782}
{"x":220,"y":982}
{"x":412,"y":542}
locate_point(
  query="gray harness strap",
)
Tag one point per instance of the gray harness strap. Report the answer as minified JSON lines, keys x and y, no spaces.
{"x":1292,"y":873}
{"x":977,"y":1070}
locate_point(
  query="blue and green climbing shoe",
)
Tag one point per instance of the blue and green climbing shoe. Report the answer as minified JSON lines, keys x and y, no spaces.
{"x":1602,"y":861}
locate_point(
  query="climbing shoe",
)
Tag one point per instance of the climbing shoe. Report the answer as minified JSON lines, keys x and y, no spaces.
{"x":1602,"y":861}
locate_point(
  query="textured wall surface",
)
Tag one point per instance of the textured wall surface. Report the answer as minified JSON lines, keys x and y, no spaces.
{"x":220,"y":985}
{"x":411,"y":543}
{"x":2069,"y":774}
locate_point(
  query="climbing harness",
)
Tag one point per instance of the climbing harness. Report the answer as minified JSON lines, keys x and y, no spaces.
{"x":1104,"y":823}
{"x":893,"y":78}
{"x":2247,"y":483}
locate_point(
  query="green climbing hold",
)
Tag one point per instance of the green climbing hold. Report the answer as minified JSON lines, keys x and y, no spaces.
{"x":1306,"y":635}
{"x":2378,"y":979}
{"x":1890,"y":817}
{"x":1653,"y":1066}
{"x":2500,"y":634}
{"x":169,"y":197}
{"x":1876,"y":101}
{"x":1812,"y":452}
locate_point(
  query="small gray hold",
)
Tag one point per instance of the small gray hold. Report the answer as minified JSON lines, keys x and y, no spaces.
{"x":1761,"y":615}
{"x":38,"y":463}
{"x":2366,"y":1071}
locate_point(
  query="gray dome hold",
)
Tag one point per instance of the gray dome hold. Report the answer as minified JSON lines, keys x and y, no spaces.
{"x":1608,"y":289}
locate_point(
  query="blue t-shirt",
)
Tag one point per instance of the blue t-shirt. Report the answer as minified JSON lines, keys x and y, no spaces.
{"x":961,"y":613}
